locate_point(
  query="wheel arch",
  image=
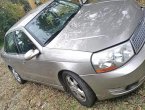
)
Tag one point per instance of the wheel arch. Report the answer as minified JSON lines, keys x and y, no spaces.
{"x":62,"y":82}
{"x":61,"y":79}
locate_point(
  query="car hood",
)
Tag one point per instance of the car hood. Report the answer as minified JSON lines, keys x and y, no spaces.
{"x":99,"y":26}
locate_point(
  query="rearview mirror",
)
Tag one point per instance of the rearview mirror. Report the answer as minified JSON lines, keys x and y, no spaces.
{"x":31,"y":53}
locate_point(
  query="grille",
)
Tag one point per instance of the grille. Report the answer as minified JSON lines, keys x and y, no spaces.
{"x":138,"y":38}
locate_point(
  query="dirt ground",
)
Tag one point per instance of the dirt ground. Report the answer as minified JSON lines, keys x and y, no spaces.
{"x":32,"y":96}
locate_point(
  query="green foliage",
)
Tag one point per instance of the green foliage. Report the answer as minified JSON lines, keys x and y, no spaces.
{"x":1,"y":39}
{"x":25,"y":4}
{"x":141,"y":2}
{"x":9,"y":14}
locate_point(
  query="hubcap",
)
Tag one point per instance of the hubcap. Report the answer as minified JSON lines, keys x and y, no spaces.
{"x":75,"y":88}
{"x":16,"y":75}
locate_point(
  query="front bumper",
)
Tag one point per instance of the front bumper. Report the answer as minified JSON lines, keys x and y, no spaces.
{"x":120,"y":81}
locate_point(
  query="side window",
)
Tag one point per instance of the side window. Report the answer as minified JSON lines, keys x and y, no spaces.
{"x":10,"y":46}
{"x":23,"y":42}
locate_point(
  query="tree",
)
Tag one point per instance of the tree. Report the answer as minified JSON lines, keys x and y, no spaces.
{"x":9,"y":14}
{"x":141,"y":2}
{"x":24,"y":3}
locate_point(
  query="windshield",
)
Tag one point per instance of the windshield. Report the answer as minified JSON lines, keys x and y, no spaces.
{"x":51,"y":20}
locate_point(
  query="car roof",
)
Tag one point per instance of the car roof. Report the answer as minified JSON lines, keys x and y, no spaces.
{"x":28,"y":17}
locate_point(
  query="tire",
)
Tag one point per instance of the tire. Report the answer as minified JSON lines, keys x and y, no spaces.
{"x":17,"y":76}
{"x":79,"y":89}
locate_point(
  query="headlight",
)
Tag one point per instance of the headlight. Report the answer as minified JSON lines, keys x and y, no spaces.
{"x":112,"y":58}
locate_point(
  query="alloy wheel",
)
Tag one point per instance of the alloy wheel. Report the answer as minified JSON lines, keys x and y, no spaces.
{"x":75,"y":88}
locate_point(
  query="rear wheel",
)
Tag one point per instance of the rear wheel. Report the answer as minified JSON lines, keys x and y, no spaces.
{"x":79,"y":89}
{"x":17,"y":76}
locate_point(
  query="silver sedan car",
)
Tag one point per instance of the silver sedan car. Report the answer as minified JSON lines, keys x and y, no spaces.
{"x":94,"y":51}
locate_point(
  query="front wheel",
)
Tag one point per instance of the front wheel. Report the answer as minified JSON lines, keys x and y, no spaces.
{"x":79,"y":89}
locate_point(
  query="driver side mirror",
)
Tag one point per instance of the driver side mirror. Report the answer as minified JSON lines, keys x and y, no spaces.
{"x":31,"y":54}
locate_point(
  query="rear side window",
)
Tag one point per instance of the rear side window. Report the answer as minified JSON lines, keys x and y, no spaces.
{"x":10,"y":46}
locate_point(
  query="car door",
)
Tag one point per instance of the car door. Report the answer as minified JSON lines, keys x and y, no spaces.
{"x":10,"y":54}
{"x":30,"y":68}
{"x":14,"y":50}
{"x":24,"y":44}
